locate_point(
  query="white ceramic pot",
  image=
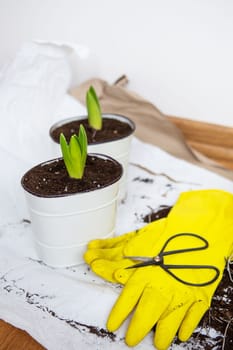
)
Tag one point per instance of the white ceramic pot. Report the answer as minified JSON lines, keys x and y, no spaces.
{"x":117,"y":149}
{"x":63,"y":225}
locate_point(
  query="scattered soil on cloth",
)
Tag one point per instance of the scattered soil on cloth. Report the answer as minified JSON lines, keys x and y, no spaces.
{"x":50,"y":179}
{"x":112,"y":129}
{"x":215,"y":331}
{"x":161,"y":213}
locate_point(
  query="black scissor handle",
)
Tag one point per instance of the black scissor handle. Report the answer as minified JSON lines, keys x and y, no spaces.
{"x":185,"y":250}
{"x":168,"y":268}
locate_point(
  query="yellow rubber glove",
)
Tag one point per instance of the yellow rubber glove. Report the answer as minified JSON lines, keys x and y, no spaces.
{"x":157,"y":296}
{"x":106,"y":256}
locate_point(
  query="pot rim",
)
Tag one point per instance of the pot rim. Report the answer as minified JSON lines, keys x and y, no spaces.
{"x":105,"y":115}
{"x":99,"y":155}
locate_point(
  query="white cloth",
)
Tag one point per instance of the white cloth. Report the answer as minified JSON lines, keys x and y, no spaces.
{"x":32,"y":97}
{"x":63,"y":308}
{"x":67,"y":308}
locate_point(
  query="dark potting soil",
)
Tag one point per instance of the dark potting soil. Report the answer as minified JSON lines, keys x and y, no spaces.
{"x":215,"y":330}
{"x":161,"y":213}
{"x":50,"y":179}
{"x":112,"y":129}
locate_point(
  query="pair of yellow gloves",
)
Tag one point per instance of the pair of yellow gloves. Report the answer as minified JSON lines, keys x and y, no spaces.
{"x":175,"y":302}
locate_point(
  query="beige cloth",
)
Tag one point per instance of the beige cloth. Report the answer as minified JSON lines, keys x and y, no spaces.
{"x":152,"y":125}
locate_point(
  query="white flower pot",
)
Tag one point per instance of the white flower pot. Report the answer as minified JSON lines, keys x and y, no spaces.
{"x":118,"y":149}
{"x":63,"y":225}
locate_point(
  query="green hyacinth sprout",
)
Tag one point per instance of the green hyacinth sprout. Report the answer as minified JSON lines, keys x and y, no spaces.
{"x":93,"y":109}
{"x":75,"y":153}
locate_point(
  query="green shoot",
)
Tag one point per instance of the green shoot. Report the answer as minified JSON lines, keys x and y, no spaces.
{"x":75,"y":153}
{"x":93,"y":109}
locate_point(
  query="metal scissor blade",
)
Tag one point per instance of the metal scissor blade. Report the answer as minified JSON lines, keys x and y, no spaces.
{"x":145,"y":261}
{"x":142,"y":264}
{"x":138,"y":257}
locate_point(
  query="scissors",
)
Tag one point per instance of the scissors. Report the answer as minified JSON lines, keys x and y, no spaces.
{"x":158,"y":260}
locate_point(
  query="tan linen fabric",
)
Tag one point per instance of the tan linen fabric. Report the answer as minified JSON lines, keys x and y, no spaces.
{"x":152,"y":125}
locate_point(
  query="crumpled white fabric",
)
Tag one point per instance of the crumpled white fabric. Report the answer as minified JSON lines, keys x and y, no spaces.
{"x":32,"y":88}
{"x":33,"y":95}
{"x":67,"y":308}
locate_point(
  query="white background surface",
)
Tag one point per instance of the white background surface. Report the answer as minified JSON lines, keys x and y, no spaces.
{"x":178,"y":54}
